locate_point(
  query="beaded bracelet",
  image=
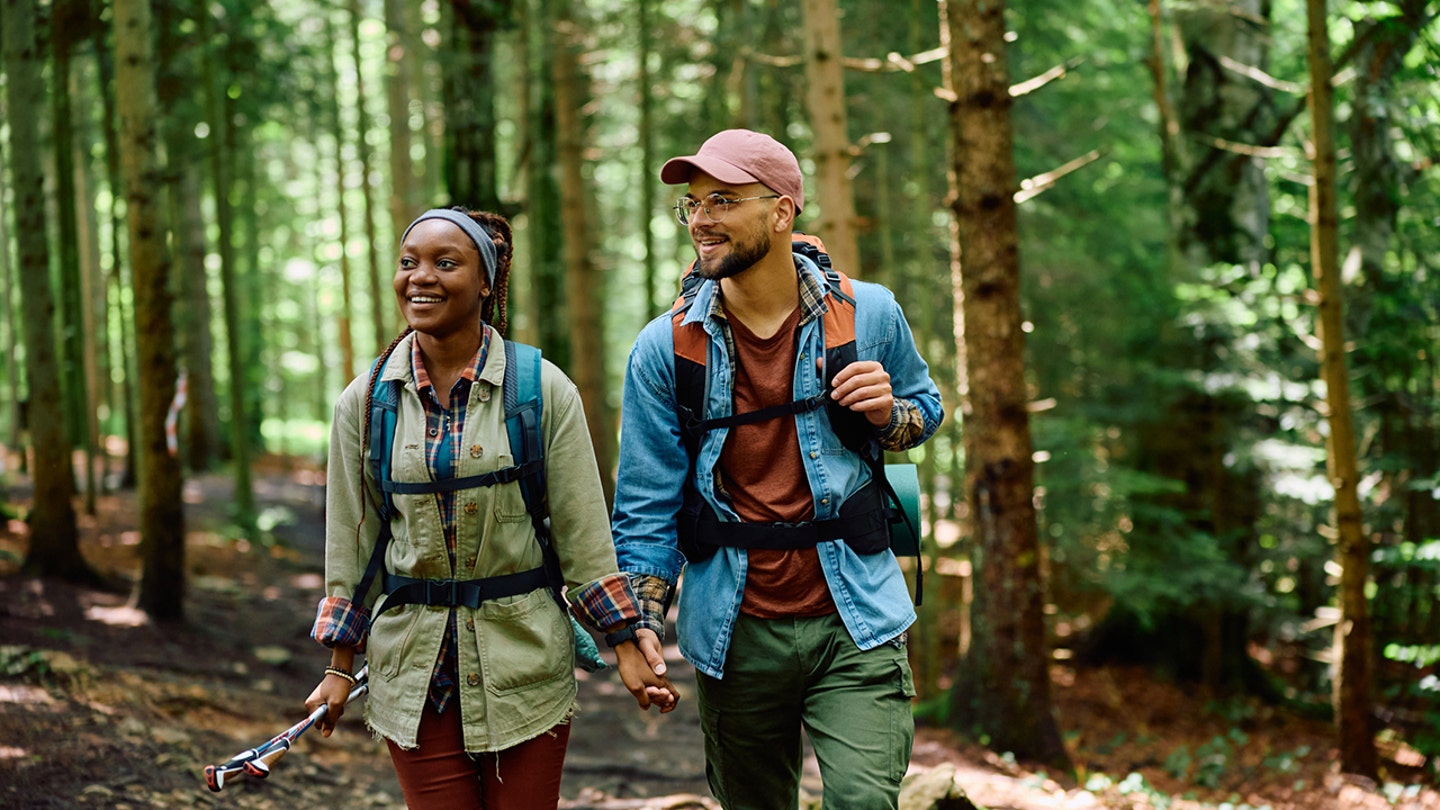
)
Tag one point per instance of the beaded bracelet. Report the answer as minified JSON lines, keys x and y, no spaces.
{"x":334,"y":670}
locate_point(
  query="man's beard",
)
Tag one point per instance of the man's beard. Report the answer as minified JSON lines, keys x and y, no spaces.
{"x":741,"y":257}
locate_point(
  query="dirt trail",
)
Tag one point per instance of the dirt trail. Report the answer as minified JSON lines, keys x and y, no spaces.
{"x":101,"y":708}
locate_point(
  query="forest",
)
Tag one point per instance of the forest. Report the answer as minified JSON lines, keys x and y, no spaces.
{"x":1174,"y":264}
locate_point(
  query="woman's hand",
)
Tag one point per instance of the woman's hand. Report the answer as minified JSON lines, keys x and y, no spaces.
{"x":333,"y":690}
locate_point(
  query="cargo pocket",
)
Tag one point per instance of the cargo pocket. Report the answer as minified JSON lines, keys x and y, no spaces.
{"x":902,"y":718}
{"x":523,"y":643}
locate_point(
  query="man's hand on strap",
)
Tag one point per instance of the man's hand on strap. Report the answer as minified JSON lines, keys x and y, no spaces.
{"x":864,"y":387}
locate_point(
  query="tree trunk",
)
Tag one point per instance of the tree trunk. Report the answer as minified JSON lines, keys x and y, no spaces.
{"x":347,"y":337}
{"x":380,"y":305}
{"x":178,"y":101}
{"x":66,"y":24}
{"x":223,"y":153}
{"x":582,"y":277}
{"x":253,"y":286}
{"x":825,"y":101}
{"x":54,"y":539}
{"x":91,"y":300}
{"x":426,"y":91}
{"x":121,"y":357}
{"x":549,"y":304}
{"x":1228,"y":213}
{"x":647,"y":159}
{"x":1003,"y":689}
{"x":1354,"y":698}
{"x":202,"y":429}
{"x":469,"y":93}
{"x":162,"y":517}
{"x":397,"y":101}
{"x":10,"y":321}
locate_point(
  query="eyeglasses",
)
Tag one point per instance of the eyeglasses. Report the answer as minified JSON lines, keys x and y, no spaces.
{"x":715,"y":206}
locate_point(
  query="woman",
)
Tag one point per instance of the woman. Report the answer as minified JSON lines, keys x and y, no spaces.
{"x":474,"y":701}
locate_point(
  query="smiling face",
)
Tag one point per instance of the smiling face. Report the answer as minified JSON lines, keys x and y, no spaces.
{"x":729,"y":248}
{"x":440,"y":281}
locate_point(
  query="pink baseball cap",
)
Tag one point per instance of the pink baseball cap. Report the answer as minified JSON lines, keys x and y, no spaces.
{"x":741,"y":156}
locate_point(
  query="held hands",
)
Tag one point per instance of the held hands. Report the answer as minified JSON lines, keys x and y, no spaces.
{"x":642,"y":669}
{"x":864,"y":387}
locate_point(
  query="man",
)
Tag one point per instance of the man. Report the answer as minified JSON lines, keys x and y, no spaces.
{"x":792,"y":614}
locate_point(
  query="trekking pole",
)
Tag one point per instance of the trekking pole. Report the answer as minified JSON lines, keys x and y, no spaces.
{"x":258,"y":760}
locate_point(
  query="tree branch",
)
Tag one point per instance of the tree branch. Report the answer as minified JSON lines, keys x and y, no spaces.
{"x":1032,"y":187}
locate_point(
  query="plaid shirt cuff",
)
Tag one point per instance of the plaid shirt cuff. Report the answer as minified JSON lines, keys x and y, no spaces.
{"x":906,"y":426}
{"x":653,"y":595}
{"x":340,"y":623}
{"x":607,"y":604}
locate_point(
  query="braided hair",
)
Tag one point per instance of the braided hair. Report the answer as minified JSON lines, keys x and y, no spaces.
{"x":493,"y":311}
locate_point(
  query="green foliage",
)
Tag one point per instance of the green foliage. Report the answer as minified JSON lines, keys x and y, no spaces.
{"x":23,"y":662}
{"x":1285,"y":761}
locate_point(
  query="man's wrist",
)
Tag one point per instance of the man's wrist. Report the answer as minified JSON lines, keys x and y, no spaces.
{"x":618,"y":637}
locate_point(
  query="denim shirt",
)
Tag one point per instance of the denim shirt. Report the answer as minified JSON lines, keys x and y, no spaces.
{"x":869,"y":590}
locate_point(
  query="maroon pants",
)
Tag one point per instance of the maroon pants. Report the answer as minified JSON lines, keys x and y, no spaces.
{"x":438,"y":775}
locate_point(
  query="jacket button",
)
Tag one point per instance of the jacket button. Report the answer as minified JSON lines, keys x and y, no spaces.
{"x":474,"y":679}
{"x":470,"y":562}
{"x":825,"y":500}
{"x":476,"y":451}
{"x":485,"y":395}
{"x":471,"y":508}
{"x":470,"y":624}
{"x":814,"y":454}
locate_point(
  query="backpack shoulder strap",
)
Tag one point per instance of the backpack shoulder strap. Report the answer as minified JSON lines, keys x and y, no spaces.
{"x":383,"y":401}
{"x":524,"y":407}
{"x":691,"y":345}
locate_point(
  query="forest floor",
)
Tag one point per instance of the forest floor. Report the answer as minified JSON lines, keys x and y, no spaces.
{"x":101,"y":708}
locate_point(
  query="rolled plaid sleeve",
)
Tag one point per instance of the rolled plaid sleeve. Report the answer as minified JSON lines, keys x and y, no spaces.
{"x":906,"y":428}
{"x":340,"y":623}
{"x":653,"y":595}
{"x":607,"y":604}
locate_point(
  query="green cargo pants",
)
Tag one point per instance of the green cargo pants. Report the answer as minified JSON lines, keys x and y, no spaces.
{"x":782,"y":674}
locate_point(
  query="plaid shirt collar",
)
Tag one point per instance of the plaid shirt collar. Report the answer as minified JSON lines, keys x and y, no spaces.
{"x":812,"y":298}
{"x":470,"y":374}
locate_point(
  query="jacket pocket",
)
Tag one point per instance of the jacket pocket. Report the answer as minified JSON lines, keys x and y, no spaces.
{"x":523,"y":643}
{"x":392,"y":635}
{"x":509,"y":502}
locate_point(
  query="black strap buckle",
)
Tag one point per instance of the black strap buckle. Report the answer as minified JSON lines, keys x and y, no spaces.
{"x":442,"y":592}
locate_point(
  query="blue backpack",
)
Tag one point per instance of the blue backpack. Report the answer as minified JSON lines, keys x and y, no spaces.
{"x":523,"y":408}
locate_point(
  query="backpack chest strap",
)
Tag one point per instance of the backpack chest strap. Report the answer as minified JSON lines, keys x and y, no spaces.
{"x":459,"y":593}
{"x":504,"y":475}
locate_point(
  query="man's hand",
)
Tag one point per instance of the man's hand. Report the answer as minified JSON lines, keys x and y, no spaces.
{"x":864,"y":387}
{"x":642,"y":669}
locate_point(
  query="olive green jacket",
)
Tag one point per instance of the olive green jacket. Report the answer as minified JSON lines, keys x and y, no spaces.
{"x":515,"y":654}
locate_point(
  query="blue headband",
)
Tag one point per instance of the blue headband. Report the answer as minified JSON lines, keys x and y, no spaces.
{"x":477,"y":233}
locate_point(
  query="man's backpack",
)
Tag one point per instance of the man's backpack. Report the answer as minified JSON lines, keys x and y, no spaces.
{"x":524,"y":406}
{"x":889,"y":507}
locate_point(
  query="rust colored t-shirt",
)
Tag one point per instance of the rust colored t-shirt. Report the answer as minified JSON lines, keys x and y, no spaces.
{"x":763,"y":474}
